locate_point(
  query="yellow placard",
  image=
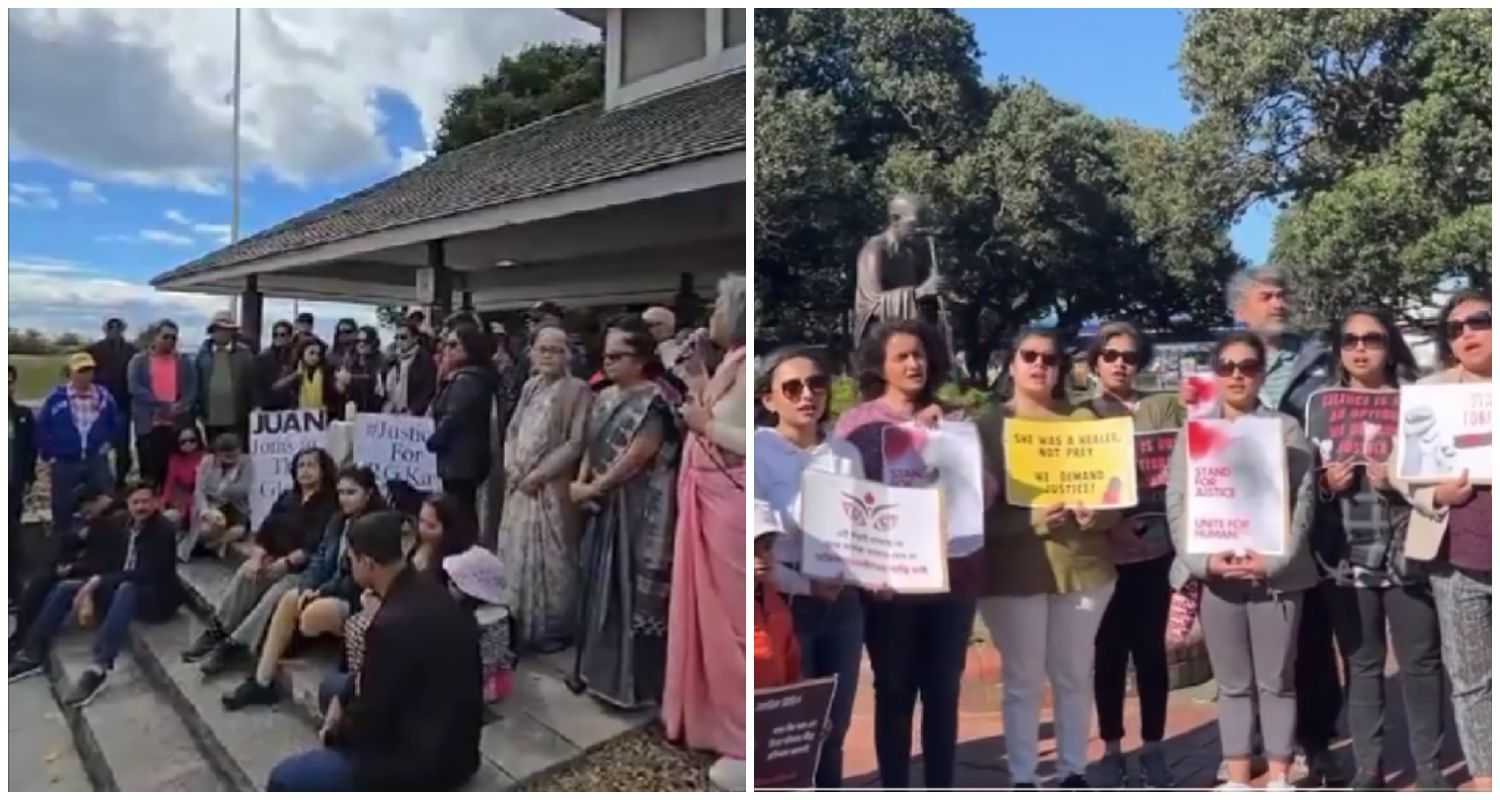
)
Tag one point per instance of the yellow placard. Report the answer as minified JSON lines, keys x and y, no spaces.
{"x":1075,"y":462}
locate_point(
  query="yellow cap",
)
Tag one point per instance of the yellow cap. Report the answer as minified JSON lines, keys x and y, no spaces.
{"x":80,"y":361}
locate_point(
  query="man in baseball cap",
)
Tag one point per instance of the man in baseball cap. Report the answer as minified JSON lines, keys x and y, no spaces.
{"x":75,"y":429}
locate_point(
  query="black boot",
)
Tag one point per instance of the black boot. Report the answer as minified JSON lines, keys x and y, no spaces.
{"x":204,"y":644}
{"x":221,"y":657}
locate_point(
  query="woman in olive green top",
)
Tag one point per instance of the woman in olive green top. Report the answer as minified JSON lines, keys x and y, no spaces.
{"x":1050,"y":578}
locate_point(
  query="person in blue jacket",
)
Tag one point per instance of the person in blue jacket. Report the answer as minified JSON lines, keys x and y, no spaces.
{"x":75,"y":430}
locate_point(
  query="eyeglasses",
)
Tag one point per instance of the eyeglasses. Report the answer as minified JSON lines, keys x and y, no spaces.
{"x":1030,"y":357}
{"x":1250,"y":368}
{"x":610,"y":358}
{"x":1130,"y":357}
{"x":1372,"y":341}
{"x":1477,"y":322}
{"x":817,"y":385}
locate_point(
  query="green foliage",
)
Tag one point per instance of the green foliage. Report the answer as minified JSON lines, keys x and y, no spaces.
{"x":1372,"y":127}
{"x":538,"y":82}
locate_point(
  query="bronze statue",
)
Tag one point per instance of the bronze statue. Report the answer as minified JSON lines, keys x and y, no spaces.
{"x":897,"y":273}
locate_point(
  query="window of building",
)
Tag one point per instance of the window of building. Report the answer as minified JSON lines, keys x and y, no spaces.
{"x":734,"y":27}
{"x":657,"y":39}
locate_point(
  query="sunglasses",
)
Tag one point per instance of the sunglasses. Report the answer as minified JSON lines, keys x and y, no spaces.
{"x":1478,"y":322}
{"x":401,"y":337}
{"x":1371,"y":341}
{"x":1030,"y":357}
{"x":1250,"y":368}
{"x":1130,"y":357}
{"x":816,"y":385}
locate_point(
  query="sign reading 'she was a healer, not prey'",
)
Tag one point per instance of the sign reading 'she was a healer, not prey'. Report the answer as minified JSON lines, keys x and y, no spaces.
{"x":1088,"y":463}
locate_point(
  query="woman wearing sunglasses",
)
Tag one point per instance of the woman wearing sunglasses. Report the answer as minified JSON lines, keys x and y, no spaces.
{"x":462,"y":432}
{"x":917,"y":643}
{"x":1451,"y":533}
{"x":182,"y":478}
{"x":1251,"y":602}
{"x":1050,"y":577}
{"x":1363,"y":551}
{"x":1135,"y":621}
{"x":311,"y":384}
{"x":828,"y":617}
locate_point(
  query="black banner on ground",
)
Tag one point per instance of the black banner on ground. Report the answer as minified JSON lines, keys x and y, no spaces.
{"x":791,"y":723}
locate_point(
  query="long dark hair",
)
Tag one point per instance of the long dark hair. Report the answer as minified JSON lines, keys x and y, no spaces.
{"x":765,"y":382}
{"x":1059,"y":389}
{"x":478,"y":349}
{"x":1445,"y":347}
{"x":1400,"y":364}
{"x":301,"y":349}
{"x":327,"y":471}
{"x":364,"y":478}
{"x":460,"y":530}
{"x":872,"y":359}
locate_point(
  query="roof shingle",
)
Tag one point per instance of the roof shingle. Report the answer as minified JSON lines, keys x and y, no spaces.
{"x":577,"y":147}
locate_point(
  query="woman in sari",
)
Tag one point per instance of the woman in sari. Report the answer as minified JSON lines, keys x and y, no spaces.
{"x":626,"y":487}
{"x":704,"y":703}
{"x":540,"y":524}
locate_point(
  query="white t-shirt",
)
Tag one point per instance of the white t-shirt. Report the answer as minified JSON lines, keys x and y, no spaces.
{"x":778,"y":482}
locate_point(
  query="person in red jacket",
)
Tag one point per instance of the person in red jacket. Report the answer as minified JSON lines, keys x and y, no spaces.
{"x":778,"y":659}
{"x":182,"y":478}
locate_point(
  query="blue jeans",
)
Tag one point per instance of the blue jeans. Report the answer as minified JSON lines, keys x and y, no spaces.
{"x":324,"y":769}
{"x":113,"y":629}
{"x":830,"y":636}
{"x":67,"y":476}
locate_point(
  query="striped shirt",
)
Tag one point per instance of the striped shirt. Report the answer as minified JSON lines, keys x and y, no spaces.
{"x":85,"y":407}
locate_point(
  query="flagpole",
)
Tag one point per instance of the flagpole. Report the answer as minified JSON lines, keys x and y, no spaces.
{"x":234,"y":214}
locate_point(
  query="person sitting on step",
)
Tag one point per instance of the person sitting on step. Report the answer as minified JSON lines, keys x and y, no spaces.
{"x":100,"y":520}
{"x":135,"y":578}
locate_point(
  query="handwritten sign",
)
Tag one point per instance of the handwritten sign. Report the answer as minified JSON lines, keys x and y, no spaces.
{"x":1237,"y":486}
{"x":948,"y":458}
{"x":1076,"y":462}
{"x":396,"y":448}
{"x":1153,"y":460}
{"x":276,"y":437}
{"x":873,"y":535}
{"x":1356,"y":426}
{"x":791,"y":723}
{"x":1445,"y":429}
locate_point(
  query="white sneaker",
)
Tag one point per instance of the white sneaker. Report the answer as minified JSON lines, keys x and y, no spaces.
{"x":728,"y":775}
{"x":1280,"y":785}
{"x":1230,"y":786}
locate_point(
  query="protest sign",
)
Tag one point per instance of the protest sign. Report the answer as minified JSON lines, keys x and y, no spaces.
{"x":1075,"y":462}
{"x":1153,"y":460}
{"x":948,"y":458}
{"x":791,"y":723}
{"x":396,"y":448}
{"x":1237,"y":486}
{"x":1445,"y":429}
{"x":1205,"y":394}
{"x":873,"y":535}
{"x":1355,"y":426}
{"x":276,"y":437}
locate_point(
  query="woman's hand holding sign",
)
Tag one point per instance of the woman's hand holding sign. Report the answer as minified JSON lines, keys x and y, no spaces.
{"x":1249,"y":566}
{"x":1338,"y":476}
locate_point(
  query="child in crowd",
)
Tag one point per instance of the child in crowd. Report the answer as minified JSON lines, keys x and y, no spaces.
{"x":778,"y":660}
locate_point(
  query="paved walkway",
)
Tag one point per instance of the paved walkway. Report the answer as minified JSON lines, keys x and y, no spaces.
{"x":1192,"y":737}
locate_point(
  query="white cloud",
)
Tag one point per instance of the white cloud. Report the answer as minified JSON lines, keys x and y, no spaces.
{"x":219,"y":233}
{"x":411,"y":159}
{"x":173,"y":215}
{"x":142,"y":96}
{"x":43,"y":265}
{"x":86,"y":192}
{"x":165,"y":237}
{"x":32,"y":195}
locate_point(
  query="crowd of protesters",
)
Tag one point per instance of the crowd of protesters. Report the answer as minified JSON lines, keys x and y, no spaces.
{"x":1070,"y":596}
{"x":592,"y":503}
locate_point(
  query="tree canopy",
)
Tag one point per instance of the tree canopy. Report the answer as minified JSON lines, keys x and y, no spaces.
{"x":537,"y":82}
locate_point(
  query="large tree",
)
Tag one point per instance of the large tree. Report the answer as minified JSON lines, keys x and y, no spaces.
{"x":1370,"y":127}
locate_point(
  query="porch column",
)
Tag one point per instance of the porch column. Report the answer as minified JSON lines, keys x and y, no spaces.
{"x":437,"y":293}
{"x":686,"y":304}
{"x":252,"y":310}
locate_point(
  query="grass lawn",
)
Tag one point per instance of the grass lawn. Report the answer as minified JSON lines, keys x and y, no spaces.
{"x":37,"y":376}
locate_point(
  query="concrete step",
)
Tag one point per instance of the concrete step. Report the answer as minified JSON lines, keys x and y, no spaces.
{"x":42,"y":755}
{"x":130,"y":737}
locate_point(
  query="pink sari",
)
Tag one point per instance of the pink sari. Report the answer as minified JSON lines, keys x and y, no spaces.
{"x":703,"y":704}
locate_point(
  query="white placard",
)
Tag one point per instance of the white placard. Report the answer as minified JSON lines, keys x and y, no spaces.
{"x":946,"y":457}
{"x":1237,"y":486}
{"x":276,"y":437}
{"x":1444,"y":430}
{"x":396,"y":448}
{"x":873,"y":535}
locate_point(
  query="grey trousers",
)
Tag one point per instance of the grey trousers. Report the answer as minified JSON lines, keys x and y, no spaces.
{"x":246,"y":609}
{"x":1252,"y":644}
{"x":1465,"y":606}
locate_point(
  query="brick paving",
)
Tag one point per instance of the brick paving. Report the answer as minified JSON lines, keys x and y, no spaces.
{"x":1192,"y":736}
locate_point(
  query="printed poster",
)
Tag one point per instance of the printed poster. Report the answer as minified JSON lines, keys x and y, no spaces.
{"x":873,"y":535}
{"x":276,"y":437}
{"x":1075,"y":462}
{"x":396,"y":448}
{"x":1237,"y":492}
{"x":1153,"y":461}
{"x":1445,"y":429}
{"x":946,"y":457}
{"x":791,"y":723}
{"x":1353,"y":426}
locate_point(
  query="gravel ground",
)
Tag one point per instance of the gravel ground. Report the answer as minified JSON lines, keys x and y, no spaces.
{"x":642,"y":761}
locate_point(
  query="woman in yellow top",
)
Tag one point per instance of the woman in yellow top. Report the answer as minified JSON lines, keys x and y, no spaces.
{"x":312,"y":385}
{"x":1050,"y":578}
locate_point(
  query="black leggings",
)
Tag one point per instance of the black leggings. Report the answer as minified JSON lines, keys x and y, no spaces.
{"x":1320,"y":697}
{"x":1134,"y":628}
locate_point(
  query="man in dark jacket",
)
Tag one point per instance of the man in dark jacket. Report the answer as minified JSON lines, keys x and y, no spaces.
{"x":273,"y":364}
{"x":101,"y":520}
{"x":411,"y":719}
{"x":22,"y":476}
{"x":226,"y":377}
{"x":410,"y":379}
{"x":78,"y":423}
{"x":135,"y":578}
{"x":112,"y":356}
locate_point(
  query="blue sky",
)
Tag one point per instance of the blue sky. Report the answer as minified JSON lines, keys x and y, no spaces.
{"x":1115,"y":63}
